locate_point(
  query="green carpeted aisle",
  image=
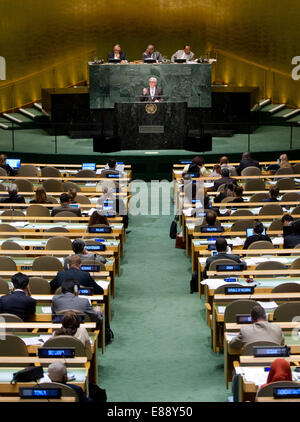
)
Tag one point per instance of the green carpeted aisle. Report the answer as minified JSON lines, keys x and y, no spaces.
{"x":161,"y":350}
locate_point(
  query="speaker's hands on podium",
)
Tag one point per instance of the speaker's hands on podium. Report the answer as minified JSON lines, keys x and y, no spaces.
{"x":144,"y":91}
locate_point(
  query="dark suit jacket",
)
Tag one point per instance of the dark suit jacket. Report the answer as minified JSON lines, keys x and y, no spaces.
{"x":14,"y":199}
{"x":246,"y":163}
{"x":56,"y":210}
{"x":222,"y":181}
{"x":157,"y":95}
{"x":291,"y":240}
{"x":81,"y":395}
{"x":83,"y":278}
{"x":255,"y":238}
{"x":10,"y":171}
{"x":122,"y":56}
{"x":17,"y":303}
{"x":221,"y":255}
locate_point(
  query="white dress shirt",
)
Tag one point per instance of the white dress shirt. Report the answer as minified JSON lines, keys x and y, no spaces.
{"x":152,"y":92}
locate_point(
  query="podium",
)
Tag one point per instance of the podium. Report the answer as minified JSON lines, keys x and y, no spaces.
{"x":151,"y":126}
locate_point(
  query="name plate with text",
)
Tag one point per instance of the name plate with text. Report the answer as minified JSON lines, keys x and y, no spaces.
{"x":151,"y":129}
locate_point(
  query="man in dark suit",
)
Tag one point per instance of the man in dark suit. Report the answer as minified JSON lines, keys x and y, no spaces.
{"x":65,"y":201}
{"x":19,"y":301}
{"x":69,"y":299}
{"x":221,"y":247}
{"x":13,"y":196}
{"x":273,"y":195}
{"x":151,"y":54}
{"x":293,"y":239}
{"x":75,"y":273}
{"x":111,"y":169}
{"x":10,"y":171}
{"x":225,"y":179}
{"x":153,"y":93}
{"x":118,"y":54}
{"x":246,"y":161}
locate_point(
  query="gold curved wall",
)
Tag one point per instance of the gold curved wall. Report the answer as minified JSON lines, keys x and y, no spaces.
{"x":38,"y":34}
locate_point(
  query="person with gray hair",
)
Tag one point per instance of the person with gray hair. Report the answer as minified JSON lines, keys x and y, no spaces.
{"x":151,"y":54}
{"x":153,"y":93}
{"x":13,"y":196}
{"x":78,"y":246}
{"x":57,"y":372}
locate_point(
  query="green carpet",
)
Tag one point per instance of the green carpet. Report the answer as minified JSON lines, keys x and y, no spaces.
{"x":161,"y":350}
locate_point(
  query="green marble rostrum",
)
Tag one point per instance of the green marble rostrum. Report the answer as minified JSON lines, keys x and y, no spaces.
{"x":119,"y":83}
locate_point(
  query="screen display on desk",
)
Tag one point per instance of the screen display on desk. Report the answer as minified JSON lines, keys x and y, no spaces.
{"x":212,"y":229}
{"x":243,"y":319}
{"x":14,"y":163}
{"x":113,"y":176}
{"x":239,"y":290}
{"x":95,"y":247}
{"x":286,"y":392}
{"x":250,"y":232}
{"x":56,"y":352}
{"x":92,"y":268}
{"x":86,"y":291}
{"x":185,"y":162}
{"x":89,"y":166}
{"x":99,"y":229}
{"x":39,"y":393}
{"x":263,"y":351}
{"x":233,"y":267}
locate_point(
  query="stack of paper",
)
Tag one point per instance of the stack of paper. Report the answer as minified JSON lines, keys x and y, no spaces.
{"x":46,"y":309}
{"x":268,"y":305}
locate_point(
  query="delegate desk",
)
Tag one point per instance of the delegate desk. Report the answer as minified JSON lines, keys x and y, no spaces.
{"x":231,"y":355}
{"x":221,"y":301}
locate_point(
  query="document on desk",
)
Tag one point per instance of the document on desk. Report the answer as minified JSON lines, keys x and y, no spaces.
{"x":257,"y":375}
{"x":221,"y":309}
{"x":90,"y":184}
{"x":102,"y":283}
{"x":46,"y":309}
{"x":36,"y":341}
{"x":268,"y":305}
{"x":213,"y":283}
{"x":230,"y":336}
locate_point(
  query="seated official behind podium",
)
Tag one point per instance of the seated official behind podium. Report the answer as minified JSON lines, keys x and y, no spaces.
{"x":151,"y":54}
{"x":65,"y":201}
{"x":259,"y":330}
{"x":153,"y":93}
{"x":69,"y":300}
{"x":75,"y":273}
{"x":117,"y":54}
{"x":186,"y":54}
{"x":19,"y":301}
{"x":223,"y":253}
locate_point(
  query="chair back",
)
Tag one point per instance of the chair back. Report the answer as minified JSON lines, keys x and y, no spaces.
{"x":290,"y":196}
{"x":258,"y":197}
{"x":285,"y":312}
{"x":24,"y":185}
{"x":242,"y":306}
{"x":66,"y":391}
{"x":286,"y":184}
{"x":285,"y":170}
{"x":242,"y":212}
{"x":59,"y":243}
{"x":13,"y":318}
{"x":254,"y":184}
{"x":13,"y":345}
{"x":295,"y":265}
{"x":7,"y":264}
{"x":296,"y":168}
{"x":267,"y":390}
{"x":82,"y":199}
{"x":4,"y":289}
{"x":286,"y":288}
{"x":241,"y":225}
{"x":71,"y":185}
{"x":50,"y":172}
{"x":3,"y":172}
{"x":247,"y":350}
{"x":296,"y":211}
{"x":47,"y":263}
{"x":261,"y":244}
{"x":221,"y":188}
{"x":4,"y":227}
{"x":39,"y":286}
{"x":53,"y":185}
{"x":251,"y":171}
{"x":271,"y":209}
{"x":52,"y":199}
{"x":276,"y":225}
{"x":221,"y":261}
{"x":37,"y":210}
{"x":270,"y":265}
{"x":57,"y":229}
{"x":9,"y":245}
{"x":65,"y":214}
{"x":27,"y":170}
{"x":86,"y":173}
{"x":11,"y":213}
{"x":66,"y":341}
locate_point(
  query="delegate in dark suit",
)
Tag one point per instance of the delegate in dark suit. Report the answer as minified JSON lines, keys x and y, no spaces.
{"x":83,"y":278}
{"x":18,"y":303}
{"x":122,"y":56}
{"x":61,"y":208}
{"x":157,"y":95}
{"x":246,"y":161}
{"x":221,"y":255}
